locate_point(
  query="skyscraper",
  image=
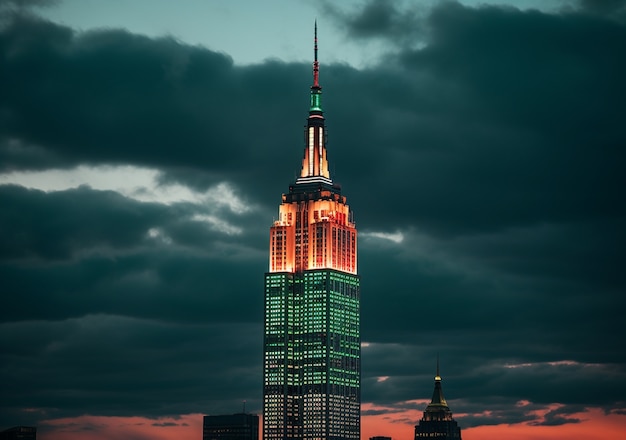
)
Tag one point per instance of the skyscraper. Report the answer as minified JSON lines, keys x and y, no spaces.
{"x":437,"y":421}
{"x":312,"y":352}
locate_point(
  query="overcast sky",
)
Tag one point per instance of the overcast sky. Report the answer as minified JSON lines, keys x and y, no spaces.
{"x":144,"y":148}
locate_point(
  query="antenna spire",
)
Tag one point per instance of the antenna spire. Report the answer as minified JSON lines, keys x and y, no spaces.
{"x":316,"y":65}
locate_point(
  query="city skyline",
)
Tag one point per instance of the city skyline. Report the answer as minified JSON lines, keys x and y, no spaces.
{"x":481,"y":146}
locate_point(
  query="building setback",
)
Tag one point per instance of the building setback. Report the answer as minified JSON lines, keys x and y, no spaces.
{"x":231,"y":427}
{"x":311,"y":365}
{"x":437,"y":421}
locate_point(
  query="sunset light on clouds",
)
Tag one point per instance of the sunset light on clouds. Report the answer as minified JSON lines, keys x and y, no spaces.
{"x":593,"y":425}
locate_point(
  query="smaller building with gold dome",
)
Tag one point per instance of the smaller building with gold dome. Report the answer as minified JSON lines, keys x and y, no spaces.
{"x":437,"y":422}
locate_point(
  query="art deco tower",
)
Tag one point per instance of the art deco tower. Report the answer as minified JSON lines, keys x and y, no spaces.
{"x":437,"y":421}
{"x":312,"y":352}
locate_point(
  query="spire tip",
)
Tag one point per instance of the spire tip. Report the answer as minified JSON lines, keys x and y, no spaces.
{"x":315,"y":62}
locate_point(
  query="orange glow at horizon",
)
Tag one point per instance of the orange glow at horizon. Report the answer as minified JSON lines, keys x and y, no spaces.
{"x":594,"y":425}
{"x":397,"y":424}
{"x":88,"y":427}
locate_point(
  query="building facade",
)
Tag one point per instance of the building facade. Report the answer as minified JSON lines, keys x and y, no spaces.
{"x":312,"y":351}
{"x":231,"y":427}
{"x":437,"y":422}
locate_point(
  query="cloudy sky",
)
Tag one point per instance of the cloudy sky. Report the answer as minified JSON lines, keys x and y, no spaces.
{"x":144,"y":147}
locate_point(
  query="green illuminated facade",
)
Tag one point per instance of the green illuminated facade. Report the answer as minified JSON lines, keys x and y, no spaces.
{"x":312,"y":351}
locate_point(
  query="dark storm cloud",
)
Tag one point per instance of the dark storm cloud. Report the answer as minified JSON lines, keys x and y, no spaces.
{"x":485,"y":364}
{"x":112,"y":365}
{"x":152,"y":102}
{"x":82,"y":220}
{"x":493,"y":146}
{"x":94,"y":253}
{"x":126,"y":81}
{"x":76,"y":220}
{"x":501,"y":412}
{"x":528,"y":100}
{"x":194,"y":113}
{"x":169,"y":286}
{"x":473,"y":274}
{"x":377,"y":18}
{"x":613,"y":9}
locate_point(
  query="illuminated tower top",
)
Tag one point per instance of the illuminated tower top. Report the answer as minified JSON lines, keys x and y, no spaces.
{"x":315,"y":162}
{"x":315,"y":228}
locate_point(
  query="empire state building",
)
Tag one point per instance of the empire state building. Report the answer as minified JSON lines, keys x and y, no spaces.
{"x":312,"y":353}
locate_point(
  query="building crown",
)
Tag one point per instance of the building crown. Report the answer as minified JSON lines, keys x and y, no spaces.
{"x":315,"y":162}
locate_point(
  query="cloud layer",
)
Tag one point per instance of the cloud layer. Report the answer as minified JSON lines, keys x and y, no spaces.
{"x":483,"y":156}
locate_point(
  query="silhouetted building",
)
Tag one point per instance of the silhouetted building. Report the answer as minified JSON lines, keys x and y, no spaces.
{"x":437,"y":422}
{"x":312,"y":348}
{"x":231,"y":427}
{"x":19,"y":433}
